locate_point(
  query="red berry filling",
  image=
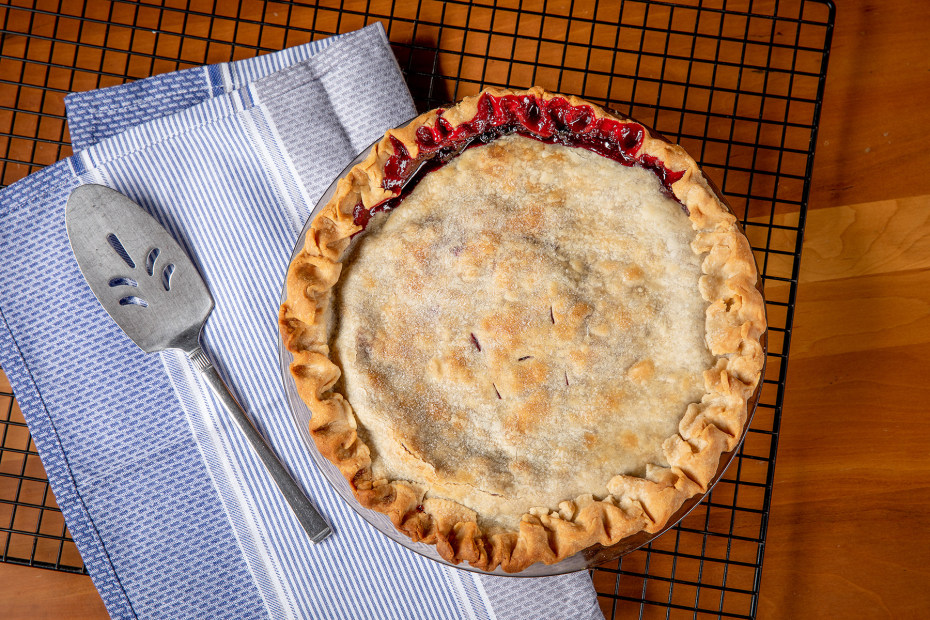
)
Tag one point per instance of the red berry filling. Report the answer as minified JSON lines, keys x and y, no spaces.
{"x":555,"y":121}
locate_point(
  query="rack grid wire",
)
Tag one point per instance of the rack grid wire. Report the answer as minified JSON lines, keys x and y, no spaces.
{"x":738,"y":83}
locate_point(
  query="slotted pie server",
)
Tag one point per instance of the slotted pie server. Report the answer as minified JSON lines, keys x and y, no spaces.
{"x":152,"y":290}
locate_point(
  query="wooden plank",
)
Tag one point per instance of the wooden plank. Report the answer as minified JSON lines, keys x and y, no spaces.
{"x":849,"y":241}
{"x":878,"y":237}
{"x":45,"y":594}
{"x":851,"y":502}
{"x":873,"y":131}
{"x":863,"y":313}
{"x":865,"y":239}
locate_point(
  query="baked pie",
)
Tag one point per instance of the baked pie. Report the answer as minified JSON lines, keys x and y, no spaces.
{"x":524,"y":326}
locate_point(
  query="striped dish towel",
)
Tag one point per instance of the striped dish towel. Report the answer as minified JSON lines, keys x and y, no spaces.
{"x":169,"y":507}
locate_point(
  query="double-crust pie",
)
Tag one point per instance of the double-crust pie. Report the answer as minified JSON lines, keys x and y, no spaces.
{"x":524,"y":326}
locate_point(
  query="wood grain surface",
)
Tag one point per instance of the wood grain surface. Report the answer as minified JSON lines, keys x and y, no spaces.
{"x":851,"y":502}
{"x":848,"y":530}
{"x":39,"y":594}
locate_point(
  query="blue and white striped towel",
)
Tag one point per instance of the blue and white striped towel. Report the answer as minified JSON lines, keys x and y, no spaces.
{"x":170,"y":509}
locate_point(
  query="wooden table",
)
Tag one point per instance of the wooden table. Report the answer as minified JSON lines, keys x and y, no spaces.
{"x":849,"y":521}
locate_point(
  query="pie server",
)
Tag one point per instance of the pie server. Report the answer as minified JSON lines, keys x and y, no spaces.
{"x":150,"y":287}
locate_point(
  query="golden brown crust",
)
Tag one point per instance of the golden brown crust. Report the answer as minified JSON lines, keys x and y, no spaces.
{"x":735,"y":324}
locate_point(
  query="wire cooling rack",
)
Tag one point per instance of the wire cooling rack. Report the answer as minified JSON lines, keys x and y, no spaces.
{"x":738,"y":83}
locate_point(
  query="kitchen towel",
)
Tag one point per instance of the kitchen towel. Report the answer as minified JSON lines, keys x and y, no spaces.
{"x":170,"y":509}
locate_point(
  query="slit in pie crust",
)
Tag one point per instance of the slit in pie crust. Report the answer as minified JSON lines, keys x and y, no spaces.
{"x":524,"y":327}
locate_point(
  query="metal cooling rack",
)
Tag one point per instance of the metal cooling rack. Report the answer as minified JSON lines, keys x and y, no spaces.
{"x":739,"y":83}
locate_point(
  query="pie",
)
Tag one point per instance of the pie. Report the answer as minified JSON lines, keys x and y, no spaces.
{"x":525,"y":327}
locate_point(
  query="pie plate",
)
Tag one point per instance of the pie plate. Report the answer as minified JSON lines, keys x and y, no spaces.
{"x":583,"y":560}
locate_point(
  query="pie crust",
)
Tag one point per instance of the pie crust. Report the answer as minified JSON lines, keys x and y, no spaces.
{"x":546,"y":346}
